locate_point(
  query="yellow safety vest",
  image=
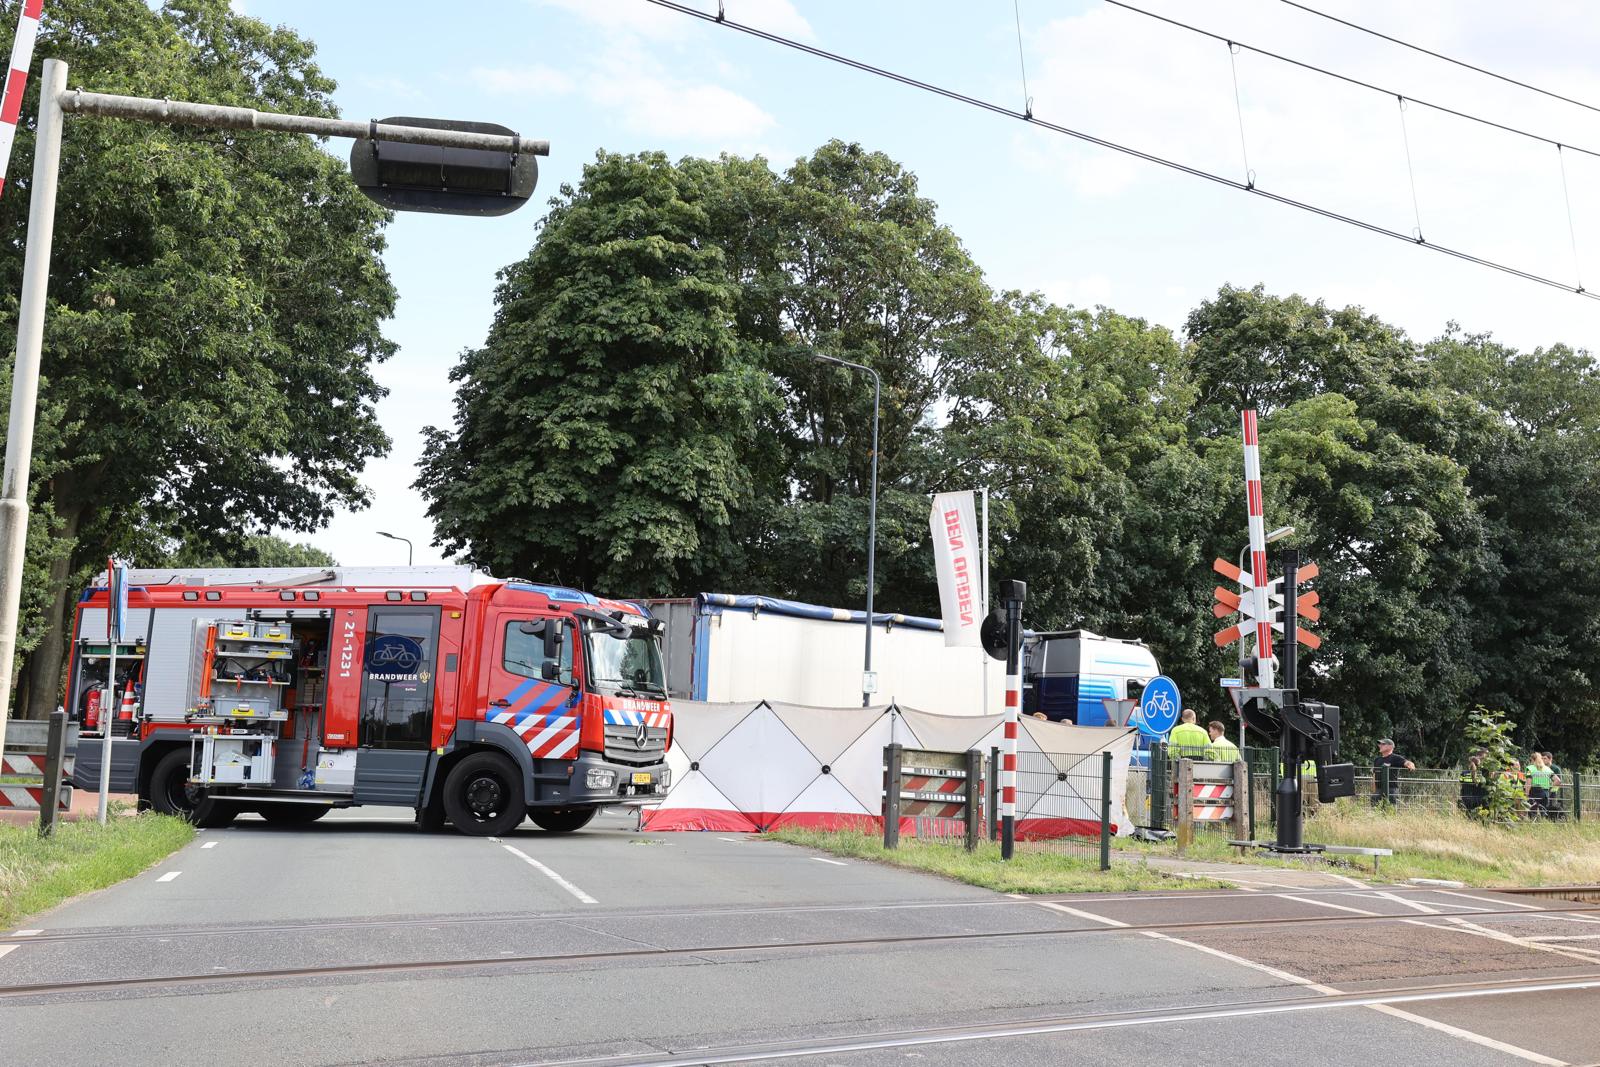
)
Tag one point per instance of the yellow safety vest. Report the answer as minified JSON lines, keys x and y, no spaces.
{"x":1188,"y":741}
{"x":1222,"y":751}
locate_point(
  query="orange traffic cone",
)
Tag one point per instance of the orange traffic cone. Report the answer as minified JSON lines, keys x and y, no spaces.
{"x":125,"y":712}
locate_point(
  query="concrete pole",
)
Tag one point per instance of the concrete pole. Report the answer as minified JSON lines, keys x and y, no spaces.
{"x":25,"y":377}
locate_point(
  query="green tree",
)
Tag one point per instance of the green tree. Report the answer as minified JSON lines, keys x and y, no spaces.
{"x":258,"y":550}
{"x":214,"y":306}
{"x":1534,"y":471}
{"x":605,"y":434}
{"x":1357,"y":434}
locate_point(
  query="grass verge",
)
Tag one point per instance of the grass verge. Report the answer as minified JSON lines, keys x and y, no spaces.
{"x":38,"y":873}
{"x":1447,"y":844}
{"x":1033,"y":869}
{"x":1427,"y":843}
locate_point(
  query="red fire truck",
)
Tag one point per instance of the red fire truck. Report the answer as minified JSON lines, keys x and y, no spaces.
{"x":473,"y":701}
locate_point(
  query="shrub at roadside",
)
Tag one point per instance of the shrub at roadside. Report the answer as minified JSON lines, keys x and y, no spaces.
{"x":38,"y":873}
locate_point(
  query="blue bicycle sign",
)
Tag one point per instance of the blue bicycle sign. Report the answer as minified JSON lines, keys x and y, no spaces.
{"x":1158,"y":706}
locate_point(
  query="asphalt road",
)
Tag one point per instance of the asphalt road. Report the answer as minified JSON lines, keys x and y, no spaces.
{"x":690,"y":948}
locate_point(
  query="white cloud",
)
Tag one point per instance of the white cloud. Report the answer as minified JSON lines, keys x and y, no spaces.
{"x":671,"y":108}
{"x":774,"y":16}
{"x":536,"y":80}
{"x":635,"y":17}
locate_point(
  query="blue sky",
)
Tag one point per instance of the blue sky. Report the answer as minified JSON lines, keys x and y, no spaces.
{"x":1037,"y":211}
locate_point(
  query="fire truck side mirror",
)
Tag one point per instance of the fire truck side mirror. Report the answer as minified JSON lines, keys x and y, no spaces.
{"x":550,"y":670}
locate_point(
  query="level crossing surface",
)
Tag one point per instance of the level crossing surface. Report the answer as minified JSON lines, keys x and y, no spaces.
{"x":361,"y":939}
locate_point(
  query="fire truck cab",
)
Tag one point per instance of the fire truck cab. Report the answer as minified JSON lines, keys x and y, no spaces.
{"x":474,"y":702}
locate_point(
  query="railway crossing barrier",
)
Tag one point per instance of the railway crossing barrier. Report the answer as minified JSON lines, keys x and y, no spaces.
{"x":1207,"y":793}
{"x":38,"y":757}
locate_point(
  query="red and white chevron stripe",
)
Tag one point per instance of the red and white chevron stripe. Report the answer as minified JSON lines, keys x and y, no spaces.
{"x":17,"y":80}
{"x":1212,"y":813}
{"x":29,"y":797}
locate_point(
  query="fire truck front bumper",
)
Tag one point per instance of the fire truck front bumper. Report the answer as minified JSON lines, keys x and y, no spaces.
{"x":596,"y":780}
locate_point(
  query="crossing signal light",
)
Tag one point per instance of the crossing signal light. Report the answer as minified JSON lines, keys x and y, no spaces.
{"x":993,"y":634}
{"x":447,"y":181}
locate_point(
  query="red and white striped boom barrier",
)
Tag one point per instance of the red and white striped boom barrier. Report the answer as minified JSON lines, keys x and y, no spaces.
{"x":17,"y":80}
{"x":1258,"y":551}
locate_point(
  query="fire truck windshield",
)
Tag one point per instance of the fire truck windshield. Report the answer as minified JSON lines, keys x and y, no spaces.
{"x":628,"y":665}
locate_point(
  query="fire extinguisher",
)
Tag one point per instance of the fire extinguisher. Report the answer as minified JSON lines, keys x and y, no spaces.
{"x":91,"y":708}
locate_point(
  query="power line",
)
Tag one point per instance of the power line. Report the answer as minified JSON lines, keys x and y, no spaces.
{"x":1149,"y":157}
{"x":1440,"y":55}
{"x":1351,"y":80}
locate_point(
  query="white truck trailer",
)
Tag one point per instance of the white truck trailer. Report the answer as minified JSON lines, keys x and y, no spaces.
{"x":736,"y":647}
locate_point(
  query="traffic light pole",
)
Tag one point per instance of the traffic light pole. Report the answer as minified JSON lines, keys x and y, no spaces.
{"x":1291,"y":813}
{"x":55,"y":101}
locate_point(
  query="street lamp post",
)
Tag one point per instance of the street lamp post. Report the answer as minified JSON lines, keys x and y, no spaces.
{"x":392,"y":537}
{"x":869,"y":684}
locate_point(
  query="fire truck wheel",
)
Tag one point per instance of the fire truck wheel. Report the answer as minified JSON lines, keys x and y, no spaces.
{"x":292,"y":814}
{"x":171,"y":793}
{"x":483,"y":795}
{"x":561,"y":820}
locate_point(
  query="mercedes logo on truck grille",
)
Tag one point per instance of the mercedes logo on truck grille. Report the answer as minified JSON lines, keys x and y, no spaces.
{"x":641,"y":738}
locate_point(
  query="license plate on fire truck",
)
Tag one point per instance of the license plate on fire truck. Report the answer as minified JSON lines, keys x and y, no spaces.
{"x":642,"y":778}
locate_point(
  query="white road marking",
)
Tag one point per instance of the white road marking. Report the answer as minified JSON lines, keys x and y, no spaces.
{"x":27,"y":933}
{"x":1488,"y":900}
{"x":1053,"y":906}
{"x":1566,"y":937}
{"x":735,"y":840}
{"x":583,"y":897}
{"x":209,"y":844}
{"x":1417,"y":904}
{"x":1358,"y":883}
{"x":1327,"y":904}
{"x":1295,"y":979}
{"x":836,"y":863}
{"x":6,"y":949}
{"x":169,"y":876}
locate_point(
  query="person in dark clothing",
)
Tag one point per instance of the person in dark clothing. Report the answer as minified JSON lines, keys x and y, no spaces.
{"x":1388,"y":757}
{"x":1474,"y":783}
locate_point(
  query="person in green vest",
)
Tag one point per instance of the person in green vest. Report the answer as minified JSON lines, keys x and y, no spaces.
{"x":1221,"y":750}
{"x":1187,"y":740}
{"x":1540,"y":777}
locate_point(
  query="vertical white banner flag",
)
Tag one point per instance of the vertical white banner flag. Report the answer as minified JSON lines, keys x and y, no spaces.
{"x":958,"y":560}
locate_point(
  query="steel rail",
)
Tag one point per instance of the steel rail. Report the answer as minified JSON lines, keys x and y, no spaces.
{"x":92,"y":934}
{"x":97,"y":985}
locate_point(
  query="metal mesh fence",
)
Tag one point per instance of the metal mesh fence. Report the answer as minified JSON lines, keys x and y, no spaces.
{"x":1061,"y":803}
{"x":1426,"y":788}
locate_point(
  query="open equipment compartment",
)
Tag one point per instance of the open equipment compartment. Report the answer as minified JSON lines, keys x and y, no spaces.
{"x":257,"y":686}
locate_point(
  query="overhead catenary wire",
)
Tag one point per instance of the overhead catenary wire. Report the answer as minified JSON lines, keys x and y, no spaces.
{"x":1129,"y":150}
{"x":1022,"y":62}
{"x":1441,"y":56}
{"x":1351,"y":79}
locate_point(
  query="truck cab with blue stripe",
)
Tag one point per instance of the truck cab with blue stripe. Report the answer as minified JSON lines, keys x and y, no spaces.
{"x":1069,"y":674}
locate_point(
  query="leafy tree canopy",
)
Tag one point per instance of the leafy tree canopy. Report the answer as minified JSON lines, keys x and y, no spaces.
{"x":214,"y":308}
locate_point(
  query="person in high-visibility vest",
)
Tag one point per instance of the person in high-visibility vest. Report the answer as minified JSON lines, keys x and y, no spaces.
{"x":1220,"y":750}
{"x":1187,"y":740}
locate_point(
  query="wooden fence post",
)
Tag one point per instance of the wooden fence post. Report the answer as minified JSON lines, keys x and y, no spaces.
{"x":891,"y":796}
{"x":1185,"y":804}
{"x":1243,"y":800}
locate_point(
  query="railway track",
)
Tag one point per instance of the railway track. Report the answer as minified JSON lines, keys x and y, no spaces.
{"x":650,"y":952}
